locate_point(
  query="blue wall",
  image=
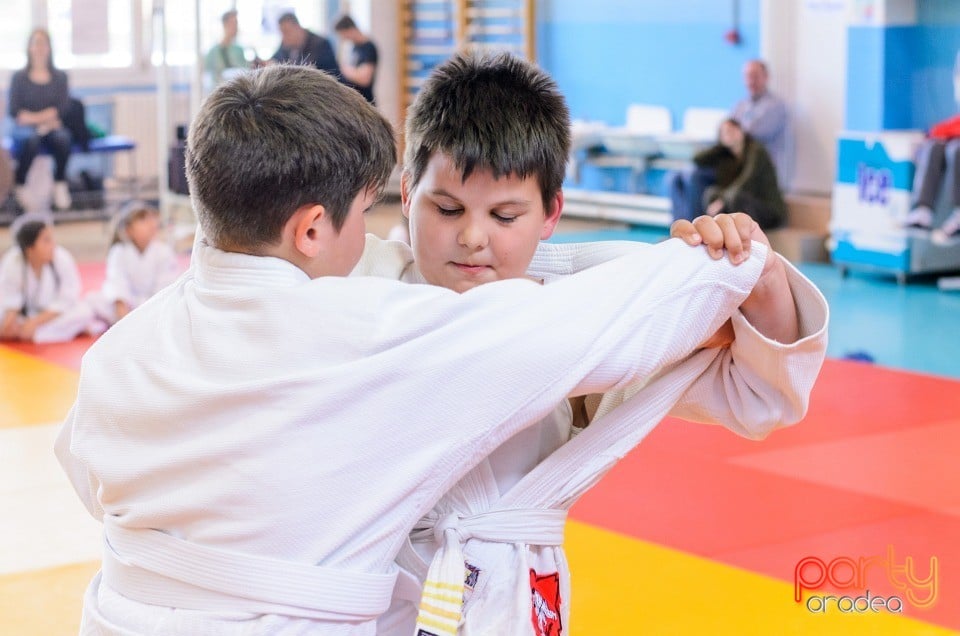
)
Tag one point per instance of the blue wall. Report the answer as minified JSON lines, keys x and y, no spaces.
{"x":607,"y":54}
{"x":931,"y":80}
{"x":902,"y":76}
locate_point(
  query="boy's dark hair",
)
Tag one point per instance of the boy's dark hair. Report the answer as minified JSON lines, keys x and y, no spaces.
{"x":344,"y":23}
{"x":232,"y":13}
{"x":288,"y":17}
{"x":268,"y":142}
{"x":28,"y":233}
{"x":495,"y":112}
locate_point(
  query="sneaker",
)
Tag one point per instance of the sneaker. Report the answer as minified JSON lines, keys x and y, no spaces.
{"x":22,"y":196}
{"x":952,"y":225}
{"x":919,"y":217}
{"x":61,"y":195}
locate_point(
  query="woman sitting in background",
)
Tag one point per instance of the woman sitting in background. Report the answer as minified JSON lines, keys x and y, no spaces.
{"x":38,"y":100}
{"x":746,"y":179}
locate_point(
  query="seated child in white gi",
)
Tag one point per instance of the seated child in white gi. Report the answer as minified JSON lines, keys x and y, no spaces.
{"x":139,"y":263}
{"x":259,"y":438}
{"x":487,"y":141}
{"x":40,"y":286}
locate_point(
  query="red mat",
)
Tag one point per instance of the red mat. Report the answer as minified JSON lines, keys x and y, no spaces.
{"x":871,"y":467}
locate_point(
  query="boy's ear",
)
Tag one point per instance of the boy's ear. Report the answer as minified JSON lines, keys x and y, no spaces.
{"x":311,"y":229}
{"x":553,"y":216}
{"x":404,"y":195}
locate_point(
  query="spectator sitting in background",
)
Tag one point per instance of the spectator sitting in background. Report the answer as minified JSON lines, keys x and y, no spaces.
{"x":362,"y":68}
{"x":761,"y":114}
{"x":39,"y":98}
{"x":746,"y":179}
{"x":764,"y":116}
{"x":938,"y":160}
{"x":300,"y":46}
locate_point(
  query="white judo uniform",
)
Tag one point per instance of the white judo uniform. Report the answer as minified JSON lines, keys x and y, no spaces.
{"x":500,"y":528}
{"x":258,"y":445}
{"x":57,"y":289}
{"x":133,"y":276}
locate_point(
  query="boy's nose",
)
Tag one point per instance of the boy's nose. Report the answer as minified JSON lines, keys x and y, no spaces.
{"x":472,"y":235}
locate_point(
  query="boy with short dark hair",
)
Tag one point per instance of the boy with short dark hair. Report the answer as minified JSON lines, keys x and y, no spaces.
{"x":259,"y":437}
{"x":487,"y":141}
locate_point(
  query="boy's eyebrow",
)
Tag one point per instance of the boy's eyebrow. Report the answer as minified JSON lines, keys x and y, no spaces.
{"x":443,"y":193}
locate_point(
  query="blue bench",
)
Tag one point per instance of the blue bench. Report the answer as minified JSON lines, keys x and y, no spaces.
{"x":102,"y":146}
{"x":108,"y":144}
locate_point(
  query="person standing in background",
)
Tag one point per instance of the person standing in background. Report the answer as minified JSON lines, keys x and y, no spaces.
{"x":300,"y":46}
{"x":361,"y":70}
{"x":38,"y":100}
{"x":226,"y":54}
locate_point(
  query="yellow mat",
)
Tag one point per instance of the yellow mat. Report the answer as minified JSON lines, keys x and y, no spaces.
{"x":626,"y":586}
{"x":33,"y":391}
{"x":44,"y":602}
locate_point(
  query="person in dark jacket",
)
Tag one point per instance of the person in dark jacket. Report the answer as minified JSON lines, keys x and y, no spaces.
{"x":746,"y":179}
{"x":300,"y":46}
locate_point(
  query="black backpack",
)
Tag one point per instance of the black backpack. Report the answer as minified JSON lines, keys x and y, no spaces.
{"x":75,"y":120}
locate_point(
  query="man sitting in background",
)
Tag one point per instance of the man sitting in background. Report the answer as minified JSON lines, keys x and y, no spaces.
{"x":763,"y":116}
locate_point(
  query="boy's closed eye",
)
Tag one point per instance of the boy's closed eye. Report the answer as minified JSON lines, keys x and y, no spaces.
{"x":456,"y":211}
{"x":503,"y":218}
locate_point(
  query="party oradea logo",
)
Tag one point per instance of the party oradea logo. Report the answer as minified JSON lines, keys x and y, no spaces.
{"x":865,"y":584}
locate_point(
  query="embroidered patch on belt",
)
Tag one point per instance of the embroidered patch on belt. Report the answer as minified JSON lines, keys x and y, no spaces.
{"x":545,"y":590}
{"x":471,"y":575}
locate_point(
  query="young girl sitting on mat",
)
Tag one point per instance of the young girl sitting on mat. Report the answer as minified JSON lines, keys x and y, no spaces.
{"x":40,"y":286}
{"x":139,"y":263}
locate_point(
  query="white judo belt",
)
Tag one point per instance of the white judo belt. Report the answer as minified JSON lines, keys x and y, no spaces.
{"x":533,"y":512}
{"x":151,"y":567}
{"x":442,"y":597}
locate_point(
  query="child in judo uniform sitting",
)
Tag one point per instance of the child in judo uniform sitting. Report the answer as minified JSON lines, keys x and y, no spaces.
{"x":260,"y":437}
{"x":487,"y":141}
{"x":139,"y":263}
{"x":40,"y":286}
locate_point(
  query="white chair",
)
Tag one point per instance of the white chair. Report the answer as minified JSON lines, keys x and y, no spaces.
{"x":645,"y":122}
{"x":703,"y":123}
{"x":699,"y":131}
{"x":647,"y":119}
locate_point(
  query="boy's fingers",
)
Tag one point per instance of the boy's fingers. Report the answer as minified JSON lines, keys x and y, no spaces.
{"x":711,"y":234}
{"x":731,"y":238}
{"x":685,"y":231}
{"x":745,"y":225}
